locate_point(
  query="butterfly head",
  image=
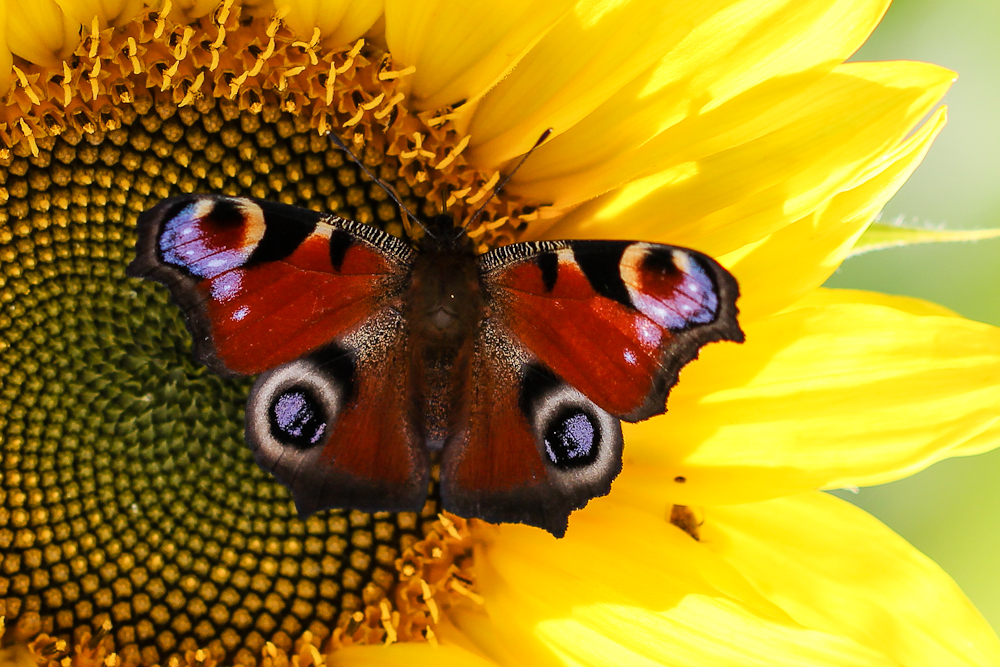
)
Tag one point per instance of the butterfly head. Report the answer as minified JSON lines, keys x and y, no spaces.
{"x":443,"y":235}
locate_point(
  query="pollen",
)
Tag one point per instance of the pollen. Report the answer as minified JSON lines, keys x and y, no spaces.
{"x":135,"y":527}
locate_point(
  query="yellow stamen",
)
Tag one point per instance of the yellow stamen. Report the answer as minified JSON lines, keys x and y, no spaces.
{"x":454,"y":153}
{"x":348,"y":64}
{"x":387,"y":618}
{"x":275,"y":24}
{"x":29,"y":135}
{"x":234,"y":85}
{"x":418,"y":140}
{"x":368,"y":106}
{"x":95,"y":36}
{"x":93,"y":78}
{"x":287,"y":74}
{"x":387,"y":109}
{"x":483,"y":191}
{"x":434,"y":121}
{"x":317,"y":658}
{"x":180,"y":51}
{"x":23,"y":80}
{"x":389,"y":75}
{"x":67,"y":88}
{"x":169,"y":75}
{"x":222,"y":14}
{"x":133,"y":49}
{"x":429,"y":600}
{"x":462,"y":590}
{"x":497,"y":224}
{"x":456,"y":195}
{"x":263,"y":57}
{"x":194,"y":92}
{"x":220,"y":38}
{"x":330,"y":78}
{"x":355,"y":119}
{"x":311,"y":46}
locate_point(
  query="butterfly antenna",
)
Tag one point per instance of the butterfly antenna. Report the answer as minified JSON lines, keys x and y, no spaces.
{"x":498,"y":188}
{"x":382,"y":184}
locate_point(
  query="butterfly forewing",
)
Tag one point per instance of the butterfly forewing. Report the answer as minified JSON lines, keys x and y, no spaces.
{"x":615,"y":319}
{"x":262,"y":283}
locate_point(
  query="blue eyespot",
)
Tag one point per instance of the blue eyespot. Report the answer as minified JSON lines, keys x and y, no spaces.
{"x":571,"y":439}
{"x":297,"y":418}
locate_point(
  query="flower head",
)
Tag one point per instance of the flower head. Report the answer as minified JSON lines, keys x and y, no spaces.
{"x":133,"y":520}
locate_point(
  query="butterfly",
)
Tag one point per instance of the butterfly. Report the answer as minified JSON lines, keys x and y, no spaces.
{"x":512,"y":369}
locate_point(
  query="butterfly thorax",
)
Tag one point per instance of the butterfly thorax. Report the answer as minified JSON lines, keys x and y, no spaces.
{"x":444,"y":307}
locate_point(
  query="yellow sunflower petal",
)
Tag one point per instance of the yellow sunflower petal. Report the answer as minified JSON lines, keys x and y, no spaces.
{"x":340,"y":22}
{"x":986,"y":441}
{"x":690,"y":55}
{"x":906,"y":304}
{"x":189,"y":10}
{"x":108,"y":12}
{"x":772,"y":278}
{"x":624,"y":587}
{"x":760,"y":162}
{"x":461,"y":49}
{"x":6,"y":59}
{"x":834,"y":567}
{"x":823,"y":395}
{"x":41,"y":33}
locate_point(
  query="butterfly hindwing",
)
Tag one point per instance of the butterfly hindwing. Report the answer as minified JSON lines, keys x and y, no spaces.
{"x":315,"y":301}
{"x":531,"y":448}
{"x":335,"y":426}
{"x":616,"y":320}
{"x":262,"y":283}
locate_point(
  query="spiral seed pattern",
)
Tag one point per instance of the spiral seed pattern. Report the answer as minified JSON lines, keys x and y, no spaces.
{"x":127,"y":493}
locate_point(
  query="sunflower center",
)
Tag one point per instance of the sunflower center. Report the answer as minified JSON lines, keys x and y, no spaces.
{"x":132,"y":516}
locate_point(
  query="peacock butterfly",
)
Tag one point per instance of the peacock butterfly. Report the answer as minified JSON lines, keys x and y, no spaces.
{"x":514,"y":366}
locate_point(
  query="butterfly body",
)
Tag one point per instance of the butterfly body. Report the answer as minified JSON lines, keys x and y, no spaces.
{"x":512,"y":369}
{"x":444,"y":305}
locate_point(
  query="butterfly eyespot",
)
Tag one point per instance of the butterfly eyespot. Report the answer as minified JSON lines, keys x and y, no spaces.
{"x":293,"y":408}
{"x":572,"y":439}
{"x":298,"y":418}
{"x":581,"y":442}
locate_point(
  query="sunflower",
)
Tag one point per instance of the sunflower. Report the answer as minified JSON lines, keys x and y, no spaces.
{"x":134,"y":526}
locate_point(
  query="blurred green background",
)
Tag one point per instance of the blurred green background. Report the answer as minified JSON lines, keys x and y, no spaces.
{"x":951,"y":511}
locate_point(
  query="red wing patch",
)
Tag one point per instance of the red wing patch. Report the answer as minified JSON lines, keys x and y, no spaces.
{"x":616,"y":320}
{"x":262,"y":283}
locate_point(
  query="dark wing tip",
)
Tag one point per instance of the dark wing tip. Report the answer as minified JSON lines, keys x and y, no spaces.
{"x":687,"y":344}
{"x":148,"y":265}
